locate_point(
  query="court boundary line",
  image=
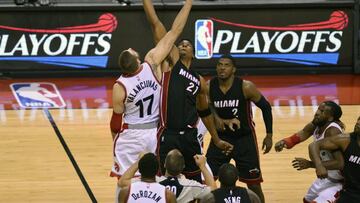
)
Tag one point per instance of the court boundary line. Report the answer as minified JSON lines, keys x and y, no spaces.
{"x":69,"y":154}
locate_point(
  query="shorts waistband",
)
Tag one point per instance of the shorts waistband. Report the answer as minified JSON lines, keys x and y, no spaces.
{"x":335,"y":180}
{"x":142,"y":126}
{"x":179,"y":131}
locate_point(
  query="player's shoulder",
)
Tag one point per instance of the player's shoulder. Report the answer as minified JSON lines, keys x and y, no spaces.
{"x":248,"y":87}
{"x":248,"y":84}
{"x":333,"y":130}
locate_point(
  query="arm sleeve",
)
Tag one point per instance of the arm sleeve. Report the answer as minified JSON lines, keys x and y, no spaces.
{"x":116,"y":122}
{"x":265,"y":107}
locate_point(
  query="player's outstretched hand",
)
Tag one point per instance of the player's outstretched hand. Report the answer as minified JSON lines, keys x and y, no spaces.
{"x":301,"y":164}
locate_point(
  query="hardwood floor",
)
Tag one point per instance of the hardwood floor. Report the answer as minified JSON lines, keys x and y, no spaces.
{"x":36,"y":168}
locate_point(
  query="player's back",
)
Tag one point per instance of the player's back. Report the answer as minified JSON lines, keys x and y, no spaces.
{"x":147,"y":192}
{"x":142,"y":96}
{"x":184,"y":189}
{"x":234,"y":194}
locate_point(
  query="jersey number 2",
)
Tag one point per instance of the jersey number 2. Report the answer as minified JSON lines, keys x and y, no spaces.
{"x":140,"y":104}
{"x":192,"y":88}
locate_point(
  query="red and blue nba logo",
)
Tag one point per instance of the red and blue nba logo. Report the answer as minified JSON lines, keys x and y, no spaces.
{"x":204,"y":30}
{"x":37,"y":95}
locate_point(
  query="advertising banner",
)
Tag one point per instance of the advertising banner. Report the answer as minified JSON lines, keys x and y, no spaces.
{"x":68,"y":40}
{"x":278,"y":38}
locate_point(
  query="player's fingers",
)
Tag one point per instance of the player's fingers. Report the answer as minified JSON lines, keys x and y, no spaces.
{"x":236,"y":124}
{"x":231,"y":127}
{"x":267,"y":150}
{"x":278,"y":148}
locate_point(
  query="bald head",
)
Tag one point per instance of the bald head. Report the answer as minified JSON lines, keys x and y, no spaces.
{"x":174,"y":162}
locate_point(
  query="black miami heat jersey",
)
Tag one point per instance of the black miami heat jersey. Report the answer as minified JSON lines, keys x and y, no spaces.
{"x":178,"y":97}
{"x":236,"y":194}
{"x":232,"y":104}
{"x":352,"y":168}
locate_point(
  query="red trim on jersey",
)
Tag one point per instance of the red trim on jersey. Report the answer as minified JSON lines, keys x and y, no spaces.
{"x":159,"y":132}
{"x":159,"y":82}
{"x":116,"y":137}
{"x":133,"y":74}
{"x":163,"y":98}
{"x":125,"y":126}
{"x":112,"y":174}
{"x":192,"y":173}
{"x":251,"y":181}
{"x":253,"y":133}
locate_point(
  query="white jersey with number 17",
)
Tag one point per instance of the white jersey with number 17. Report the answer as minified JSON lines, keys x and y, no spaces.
{"x":142,"y":96}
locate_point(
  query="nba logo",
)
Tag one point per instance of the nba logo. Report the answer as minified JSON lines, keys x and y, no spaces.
{"x":37,"y":95}
{"x":204,"y":39}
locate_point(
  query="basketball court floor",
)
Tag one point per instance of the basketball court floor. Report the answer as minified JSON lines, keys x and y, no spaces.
{"x":65,"y":154}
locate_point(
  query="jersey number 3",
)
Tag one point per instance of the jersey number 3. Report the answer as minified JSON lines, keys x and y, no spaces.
{"x":140,"y":103}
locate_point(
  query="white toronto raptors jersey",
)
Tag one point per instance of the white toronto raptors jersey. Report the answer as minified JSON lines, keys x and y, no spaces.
{"x":142,"y":96}
{"x":326,"y":155}
{"x":147,"y":192}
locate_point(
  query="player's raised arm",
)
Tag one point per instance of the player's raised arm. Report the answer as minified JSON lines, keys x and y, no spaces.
{"x":159,"y":31}
{"x":162,"y":49}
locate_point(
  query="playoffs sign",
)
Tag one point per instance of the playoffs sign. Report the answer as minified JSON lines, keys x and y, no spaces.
{"x":310,"y":43}
{"x":80,"y":46}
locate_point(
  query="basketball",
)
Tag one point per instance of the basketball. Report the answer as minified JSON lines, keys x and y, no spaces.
{"x":107,"y":22}
{"x":339,"y":20}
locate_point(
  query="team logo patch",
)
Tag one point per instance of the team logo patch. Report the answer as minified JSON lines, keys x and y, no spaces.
{"x":37,"y":95}
{"x":203,"y":39}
